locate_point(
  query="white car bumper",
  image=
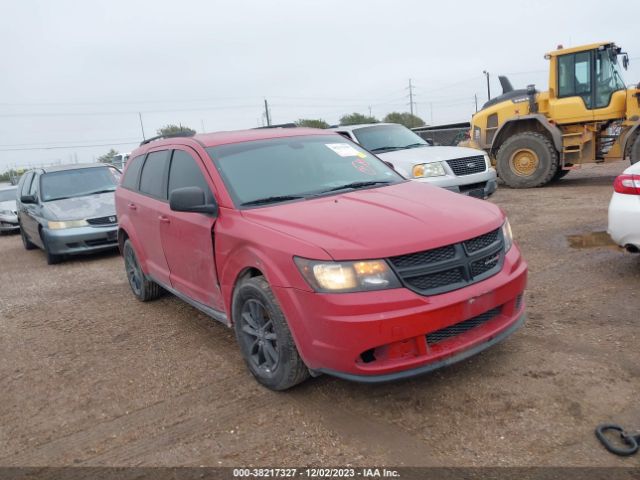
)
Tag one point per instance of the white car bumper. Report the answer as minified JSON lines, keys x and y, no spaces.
{"x":624,"y":220}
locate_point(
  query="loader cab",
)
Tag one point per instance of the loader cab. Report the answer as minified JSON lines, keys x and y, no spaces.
{"x":585,"y":84}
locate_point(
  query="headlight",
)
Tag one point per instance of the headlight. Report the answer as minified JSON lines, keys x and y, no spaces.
{"x":67,"y":224}
{"x":508,"y":235}
{"x":434,"y":169}
{"x":347,"y":276}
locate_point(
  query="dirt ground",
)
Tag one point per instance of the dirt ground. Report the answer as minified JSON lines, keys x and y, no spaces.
{"x":91,"y":376}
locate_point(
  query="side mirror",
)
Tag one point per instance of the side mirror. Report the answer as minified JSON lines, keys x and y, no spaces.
{"x":28,"y":199}
{"x":191,"y":199}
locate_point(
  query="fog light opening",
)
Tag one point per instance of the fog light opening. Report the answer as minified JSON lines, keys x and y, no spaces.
{"x":368,"y":356}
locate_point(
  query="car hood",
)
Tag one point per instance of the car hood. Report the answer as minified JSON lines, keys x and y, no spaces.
{"x":381,"y":222}
{"x":411,"y":156}
{"x":8,"y":205}
{"x":90,"y":206}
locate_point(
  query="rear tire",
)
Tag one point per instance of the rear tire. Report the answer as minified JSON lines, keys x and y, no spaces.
{"x":264,"y":337}
{"x":634,"y":150}
{"x":144,"y":289}
{"x":527,"y":160}
{"x":28,"y":245}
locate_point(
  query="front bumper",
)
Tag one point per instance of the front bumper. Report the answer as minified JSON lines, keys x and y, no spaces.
{"x":480,"y":185}
{"x":385,"y":335}
{"x":71,"y":241}
{"x":9,"y":223}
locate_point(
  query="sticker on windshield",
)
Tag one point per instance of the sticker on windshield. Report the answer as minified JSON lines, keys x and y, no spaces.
{"x":364,"y":167}
{"x":343,"y":149}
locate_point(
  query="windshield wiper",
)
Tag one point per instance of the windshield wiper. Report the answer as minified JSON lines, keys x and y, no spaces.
{"x":100,"y":191}
{"x":273,"y":199}
{"x":380,"y":149}
{"x":354,"y":185}
{"x":414,"y":145}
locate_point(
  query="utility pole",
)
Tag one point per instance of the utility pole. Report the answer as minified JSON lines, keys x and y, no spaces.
{"x":475,"y":97}
{"x":431,"y":108}
{"x":266,"y":113}
{"x":410,"y":97}
{"x":370,"y":110}
{"x":488,"y":86}
{"x":141,"y":125}
{"x":202,"y":123}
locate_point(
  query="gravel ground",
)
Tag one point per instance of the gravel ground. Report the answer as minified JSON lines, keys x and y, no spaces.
{"x":91,"y":376}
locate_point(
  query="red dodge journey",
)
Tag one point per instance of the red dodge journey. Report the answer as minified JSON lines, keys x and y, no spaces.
{"x":320,"y":256}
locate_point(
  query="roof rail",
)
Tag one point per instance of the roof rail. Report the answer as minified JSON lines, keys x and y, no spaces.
{"x":170,"y":135}
{"x":281,"y":125}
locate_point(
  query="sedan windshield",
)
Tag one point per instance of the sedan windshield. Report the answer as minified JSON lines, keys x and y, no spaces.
{"x":284,"y":169}
{"x":7,"y":195}
{"x":384,"y":138}
{"x":78,"y":183}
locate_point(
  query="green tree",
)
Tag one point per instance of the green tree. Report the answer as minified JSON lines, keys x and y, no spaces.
{"x":172,"y":129}
{"x":405,"y":118}
{"x":108,"y":157}
{"x":312,"y":123}
{"x":357,"y":118}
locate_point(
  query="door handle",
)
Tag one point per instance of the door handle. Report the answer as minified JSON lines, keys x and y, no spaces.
{"x":132,"y":206}
{"x":164,"y":219}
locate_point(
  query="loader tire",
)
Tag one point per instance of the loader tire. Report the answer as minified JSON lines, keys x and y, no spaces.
{"x":527,"y":160}
{"x":634,"y":149}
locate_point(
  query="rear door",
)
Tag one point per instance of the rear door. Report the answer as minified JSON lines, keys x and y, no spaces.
{"x":187,"y":238}
{"x":150,"y":205}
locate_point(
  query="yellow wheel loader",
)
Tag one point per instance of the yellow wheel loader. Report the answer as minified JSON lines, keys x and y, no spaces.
{"x":587,"y":115}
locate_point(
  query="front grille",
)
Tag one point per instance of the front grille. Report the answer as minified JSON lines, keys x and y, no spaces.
{"x":462,"y":327}
{"x":448,"y":268}
{"x":428,"y":256}
{"x":483,"y":241}
{"x":468,"y":166}
{"x":110,"y":220}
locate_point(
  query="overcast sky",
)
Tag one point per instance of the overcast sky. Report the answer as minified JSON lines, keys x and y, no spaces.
{"x":76,"y":73}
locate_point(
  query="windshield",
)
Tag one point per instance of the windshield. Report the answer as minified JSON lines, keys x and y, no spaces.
{"x":380,"y":138}
{"x":7,"y":195}
{"x":78,"y":182}
{"x":281,"y":169}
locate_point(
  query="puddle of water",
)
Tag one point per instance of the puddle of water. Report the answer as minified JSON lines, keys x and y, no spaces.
{"x":590,"y":240}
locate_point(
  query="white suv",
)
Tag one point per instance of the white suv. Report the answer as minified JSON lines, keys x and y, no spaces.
{"x":463,"y":170}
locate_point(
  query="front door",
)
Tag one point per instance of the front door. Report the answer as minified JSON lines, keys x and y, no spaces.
{"x":187,"y":238}
{"x":574,"y":89}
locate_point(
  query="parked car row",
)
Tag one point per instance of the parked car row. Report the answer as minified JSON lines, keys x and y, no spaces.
{"x":328,"y":251}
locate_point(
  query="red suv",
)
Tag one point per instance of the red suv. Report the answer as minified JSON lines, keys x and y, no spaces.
{"x":322,"y":258}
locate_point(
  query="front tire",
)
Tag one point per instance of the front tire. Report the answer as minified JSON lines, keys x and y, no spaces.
{"x":144,"y":289}
{"x":52,"y":258}
{"x":527,"y":160}
{"x":264,"y":337}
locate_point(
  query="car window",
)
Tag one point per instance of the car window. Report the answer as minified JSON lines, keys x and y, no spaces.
{"x":185,"y":172}
{"x":33,"y":189}
{"x":381,"y":138}
{"x":77,"y":182}
{"x":26,"y":183}
{"x":297,"y":166}
{"x":153,"y":177}
{"x":132,"y":174}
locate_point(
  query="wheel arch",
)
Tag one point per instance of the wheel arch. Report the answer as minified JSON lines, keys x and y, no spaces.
{"x":526,"y":123}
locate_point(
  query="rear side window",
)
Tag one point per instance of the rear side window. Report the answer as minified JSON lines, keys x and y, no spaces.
{"x":185,"y":172}
{"x":132,"y":174}
{"x":154,"y":174}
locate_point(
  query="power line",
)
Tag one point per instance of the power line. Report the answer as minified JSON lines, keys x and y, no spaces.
{"x":57,"y":147}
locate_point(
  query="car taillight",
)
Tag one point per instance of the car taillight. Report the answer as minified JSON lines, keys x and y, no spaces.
{"x":628,"y":184}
